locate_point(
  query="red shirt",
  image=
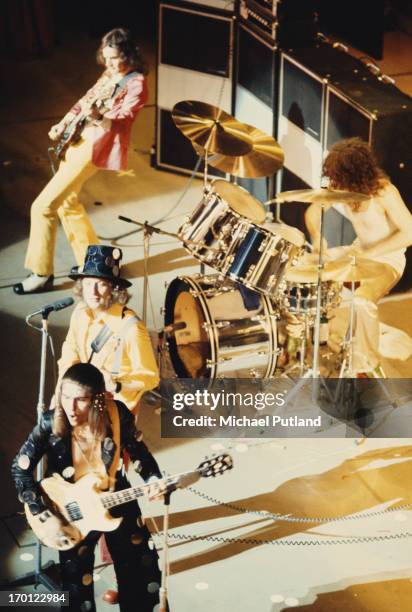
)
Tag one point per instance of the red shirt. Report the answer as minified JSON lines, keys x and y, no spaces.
{"x":110,"y":146}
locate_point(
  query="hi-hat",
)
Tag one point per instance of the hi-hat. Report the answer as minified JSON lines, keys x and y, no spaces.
{"x":322,"y":196}
{"x":211,"y":128}
{"x":264,"y":159}
{"x":346,"y":269}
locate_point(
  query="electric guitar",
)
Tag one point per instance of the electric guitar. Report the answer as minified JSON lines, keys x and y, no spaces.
{"x":78,"y":508}
{"x":73,"y":130}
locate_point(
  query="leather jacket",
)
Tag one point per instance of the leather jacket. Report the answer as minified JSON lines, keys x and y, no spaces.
{"x":58,"y":453}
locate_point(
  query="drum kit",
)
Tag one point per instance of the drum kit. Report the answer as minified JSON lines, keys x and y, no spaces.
{"x":233,"y":323}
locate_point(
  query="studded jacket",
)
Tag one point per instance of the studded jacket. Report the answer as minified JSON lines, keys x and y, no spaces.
{"x":58,"y":451}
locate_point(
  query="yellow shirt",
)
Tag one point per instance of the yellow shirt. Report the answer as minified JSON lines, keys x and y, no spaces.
{"x":138,"y":369}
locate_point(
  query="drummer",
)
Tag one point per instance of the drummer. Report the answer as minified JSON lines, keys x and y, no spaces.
{"x":383,"y":225}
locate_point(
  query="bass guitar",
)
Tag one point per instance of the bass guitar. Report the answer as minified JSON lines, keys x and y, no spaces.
{"x":80,"y":507}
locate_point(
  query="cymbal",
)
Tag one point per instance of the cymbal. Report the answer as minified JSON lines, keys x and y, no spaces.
{"x":264,"y":159}
{"x":211,"y":128}
{"x":323,"y":196}
{"x":346,"y":269}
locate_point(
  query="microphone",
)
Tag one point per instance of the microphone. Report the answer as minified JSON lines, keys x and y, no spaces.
{"x":53,"y":307}
{"x":170,"y":329}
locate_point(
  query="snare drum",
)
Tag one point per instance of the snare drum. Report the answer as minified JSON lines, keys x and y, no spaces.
{"x":300,"y":298}
{"x":258,"y":255}
{"x":217,"y":336}
{"x":208,"y":232}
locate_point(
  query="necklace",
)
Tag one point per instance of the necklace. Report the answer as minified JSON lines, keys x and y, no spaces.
{"x":88,"y":451}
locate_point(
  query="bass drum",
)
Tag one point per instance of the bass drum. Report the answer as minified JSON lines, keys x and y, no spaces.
{"x":215,"y":335}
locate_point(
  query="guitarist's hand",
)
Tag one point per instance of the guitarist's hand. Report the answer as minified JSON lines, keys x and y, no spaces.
{"x":95,"y":113}
{"x":155,"y":490}
{"x":56,"y":131}
{"x":57,"y":534}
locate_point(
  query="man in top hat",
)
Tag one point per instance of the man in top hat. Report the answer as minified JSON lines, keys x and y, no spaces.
{"x":104,"y":332}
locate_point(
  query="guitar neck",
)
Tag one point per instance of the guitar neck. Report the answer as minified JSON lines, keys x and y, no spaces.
{"x":116,"y":498}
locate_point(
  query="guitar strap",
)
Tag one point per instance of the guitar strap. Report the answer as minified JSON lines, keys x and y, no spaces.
{"x":116,"y":345}
{"x":120,"y":344}
{"x":115,"y":423}
{"x":122,"y":83}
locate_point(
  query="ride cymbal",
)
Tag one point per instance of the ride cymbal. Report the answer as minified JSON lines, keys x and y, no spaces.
{"x":323,"y":196}
{"x":264,"y":159}
{"x":211,"y":128}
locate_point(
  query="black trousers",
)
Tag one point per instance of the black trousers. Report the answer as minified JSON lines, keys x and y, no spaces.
{"x":135,"y":565}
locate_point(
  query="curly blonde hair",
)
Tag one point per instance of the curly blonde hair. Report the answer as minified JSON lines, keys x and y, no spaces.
{"x":351,"y":166}
{"x":119,"y":295}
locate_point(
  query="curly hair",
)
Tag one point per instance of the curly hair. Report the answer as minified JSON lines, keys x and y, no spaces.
{"x":119,"y":295}
{"x":121,"y":39}
{"x":91,"y":380}
{"x":351,"y":166}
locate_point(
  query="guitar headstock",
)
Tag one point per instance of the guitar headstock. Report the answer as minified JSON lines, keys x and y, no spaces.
{"x":217,"y":464}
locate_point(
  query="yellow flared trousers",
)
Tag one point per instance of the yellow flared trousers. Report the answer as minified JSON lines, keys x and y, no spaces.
{"x":59,"y":199}
{"x":366,"y":338}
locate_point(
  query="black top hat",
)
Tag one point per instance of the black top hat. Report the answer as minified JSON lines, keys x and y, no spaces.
{"x":102,"y":262}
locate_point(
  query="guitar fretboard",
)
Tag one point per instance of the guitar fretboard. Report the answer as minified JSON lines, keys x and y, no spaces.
{"x":110,"y":500}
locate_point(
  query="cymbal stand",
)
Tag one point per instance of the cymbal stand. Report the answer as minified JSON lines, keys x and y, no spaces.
{"x":302,"y":350}
{"x":148,"y":231}
{"x":346,"y":369}
{"x":313,"y":372}
{"x":278,"y":203}
{"x":206,"y":165}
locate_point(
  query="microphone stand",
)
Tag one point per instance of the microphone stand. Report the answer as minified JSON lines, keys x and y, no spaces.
{"x":39,"y":576}
{"x":163,"y":607}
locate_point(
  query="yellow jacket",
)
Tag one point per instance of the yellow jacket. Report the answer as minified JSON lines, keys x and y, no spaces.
{"x":138,"y":370}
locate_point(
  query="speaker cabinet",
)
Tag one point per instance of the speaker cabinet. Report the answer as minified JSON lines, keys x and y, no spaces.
{"x":255,"y":92}
{"x":194,"y":63}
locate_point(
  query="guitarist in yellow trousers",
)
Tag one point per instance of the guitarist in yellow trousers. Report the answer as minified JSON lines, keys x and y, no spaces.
{"x":94,"y":134}
{"x":83,"y":439}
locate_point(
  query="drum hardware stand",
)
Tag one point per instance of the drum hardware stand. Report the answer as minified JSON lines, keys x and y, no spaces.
{"x":205,"y":181}
{"x":313,"y":372}
{"x":148,"y":231}
{"x":346,"y":370}
{"x":302,"y":352}
{"x":205,"y":190}
{"x":277,"y":202}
